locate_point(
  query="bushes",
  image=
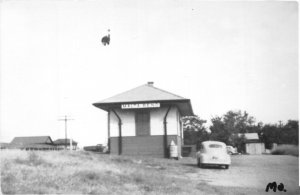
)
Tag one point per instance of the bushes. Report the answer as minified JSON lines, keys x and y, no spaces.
{"x":32,"y":160}
{"x":286,"y":150}
{"x":88,"y":176}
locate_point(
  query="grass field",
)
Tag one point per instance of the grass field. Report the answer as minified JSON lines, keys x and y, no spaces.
{"x":63,"y":172}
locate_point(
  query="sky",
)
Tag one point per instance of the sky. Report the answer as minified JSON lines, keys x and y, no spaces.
{"x":222,"y":55}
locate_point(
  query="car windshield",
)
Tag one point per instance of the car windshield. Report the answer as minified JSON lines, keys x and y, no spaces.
{"x":214,"y":146}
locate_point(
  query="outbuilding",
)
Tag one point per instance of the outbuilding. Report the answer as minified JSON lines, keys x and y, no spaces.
{"x":65,"y":144}
{"x":144,"y":121}
{"x":252,"y":143}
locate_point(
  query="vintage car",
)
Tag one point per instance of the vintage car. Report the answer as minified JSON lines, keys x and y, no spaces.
{"x":213,"y":153}
{"x":97,"y":148}
{"x":231,"y":150}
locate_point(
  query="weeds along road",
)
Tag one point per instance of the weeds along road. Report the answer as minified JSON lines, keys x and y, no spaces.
{"x":81,"y":172}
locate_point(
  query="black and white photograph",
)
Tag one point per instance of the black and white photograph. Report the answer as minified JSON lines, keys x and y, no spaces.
{"x":149,"y":97}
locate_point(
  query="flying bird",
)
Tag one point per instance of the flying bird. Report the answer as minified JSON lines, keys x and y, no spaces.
{"x":106,"y":39}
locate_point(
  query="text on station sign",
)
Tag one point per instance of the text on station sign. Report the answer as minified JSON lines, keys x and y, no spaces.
{"x":143,"y":105}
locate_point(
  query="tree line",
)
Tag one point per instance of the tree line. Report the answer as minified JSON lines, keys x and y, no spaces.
{"x":230,"y":127}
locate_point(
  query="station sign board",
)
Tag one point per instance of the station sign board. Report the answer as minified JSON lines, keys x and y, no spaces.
{"x":141,"y":105}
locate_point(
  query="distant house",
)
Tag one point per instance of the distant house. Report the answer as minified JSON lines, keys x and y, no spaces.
{"x":65,"y":143}
{"x":32,"y":143}
{"x":252,"y":143}
{"x":3,"y":145}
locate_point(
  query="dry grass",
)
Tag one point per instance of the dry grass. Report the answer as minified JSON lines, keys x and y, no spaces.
{"x":82,"y":172}
{"x":286,"y":150}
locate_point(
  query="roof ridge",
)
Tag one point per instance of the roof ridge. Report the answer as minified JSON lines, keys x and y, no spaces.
{"x":32,"y":136}
{"x":166,"y":91}
{"x":121,"y":93}
{"x":145,"y":92}
{"x":31,"y":139}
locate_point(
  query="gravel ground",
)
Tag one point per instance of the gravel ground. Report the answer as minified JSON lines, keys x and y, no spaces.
{"x":248,"y":174}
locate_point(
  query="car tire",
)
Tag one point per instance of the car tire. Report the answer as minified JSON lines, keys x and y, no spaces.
{"x":226,"y":166}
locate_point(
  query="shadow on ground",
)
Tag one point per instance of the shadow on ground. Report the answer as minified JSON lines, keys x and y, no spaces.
{"x":204,"y":167}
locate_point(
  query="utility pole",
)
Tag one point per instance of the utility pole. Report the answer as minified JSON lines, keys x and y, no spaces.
{"x":280,"y":124}
{"x":66,"y":119}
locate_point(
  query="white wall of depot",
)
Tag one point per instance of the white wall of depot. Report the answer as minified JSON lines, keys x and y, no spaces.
{"x":128,"y":123}
{"x":172,"y":125}
{"x":156,"y":122}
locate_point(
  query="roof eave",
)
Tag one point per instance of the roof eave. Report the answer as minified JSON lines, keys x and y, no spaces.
{"x":108,"y":105}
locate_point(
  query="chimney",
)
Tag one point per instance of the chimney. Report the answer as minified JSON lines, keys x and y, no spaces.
{"x":150,"y":83}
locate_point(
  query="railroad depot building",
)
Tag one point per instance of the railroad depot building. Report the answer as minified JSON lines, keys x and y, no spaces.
{"x":144,"y":121}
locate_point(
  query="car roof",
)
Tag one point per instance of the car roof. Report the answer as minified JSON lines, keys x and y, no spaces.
{"x":213,"y":142}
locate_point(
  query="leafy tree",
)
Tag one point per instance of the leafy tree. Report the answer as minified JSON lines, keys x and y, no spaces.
{"x":286,"y":134}
{"x":219,"y":130}
{"x":238,"y":142}
{"x":194,"y":130}
{"x":227,"y":127}
{"x":238,"y":122}
{"x":290,"y":132}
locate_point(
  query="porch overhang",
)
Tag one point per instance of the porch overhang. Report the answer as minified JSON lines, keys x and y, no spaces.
{"x":184,"y":105}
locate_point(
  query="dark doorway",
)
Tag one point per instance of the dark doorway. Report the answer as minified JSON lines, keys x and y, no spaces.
{"x":142,"y":122}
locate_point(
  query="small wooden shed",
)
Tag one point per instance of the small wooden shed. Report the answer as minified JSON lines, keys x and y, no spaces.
{"x":252,"y":144}
{"x":65,"y":144}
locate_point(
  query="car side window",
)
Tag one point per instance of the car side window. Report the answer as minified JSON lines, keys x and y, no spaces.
{"x":215,"y":146}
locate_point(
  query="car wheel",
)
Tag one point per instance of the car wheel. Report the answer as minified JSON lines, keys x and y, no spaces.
{"x":226,"y":166}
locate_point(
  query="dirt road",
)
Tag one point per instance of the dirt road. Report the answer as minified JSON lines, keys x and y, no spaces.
{"x":248,"y":174}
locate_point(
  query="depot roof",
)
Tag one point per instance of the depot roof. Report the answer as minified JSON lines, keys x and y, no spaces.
{"x":147,"y":94}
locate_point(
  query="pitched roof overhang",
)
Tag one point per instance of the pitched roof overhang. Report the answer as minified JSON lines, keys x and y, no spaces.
{"x":147,"y":94}
{"x":184,"y":105}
